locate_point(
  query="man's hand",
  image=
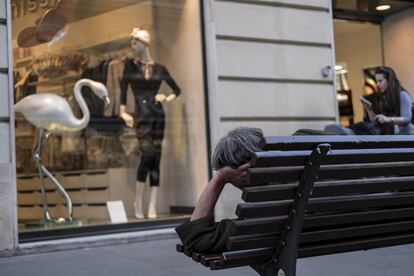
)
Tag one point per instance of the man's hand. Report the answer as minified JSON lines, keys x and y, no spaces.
{"x":235,"y":176}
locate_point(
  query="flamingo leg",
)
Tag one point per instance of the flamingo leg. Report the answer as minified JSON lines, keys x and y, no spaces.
{"x":44,"y":135}
{"x":62,"y":191}
{"x":38,"y":159}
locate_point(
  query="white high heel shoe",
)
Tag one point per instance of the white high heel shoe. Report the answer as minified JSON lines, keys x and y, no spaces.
{"x":152,"y":212}
{"x":138,"y":210}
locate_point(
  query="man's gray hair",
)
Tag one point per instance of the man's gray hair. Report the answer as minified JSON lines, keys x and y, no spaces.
{"x":237,"y":147}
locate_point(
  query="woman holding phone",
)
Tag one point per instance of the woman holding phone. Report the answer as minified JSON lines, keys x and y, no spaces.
{"x":393,"y":111}
{"x":395,"y":104}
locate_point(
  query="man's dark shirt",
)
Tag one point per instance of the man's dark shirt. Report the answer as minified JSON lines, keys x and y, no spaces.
{"x":204,"y":235}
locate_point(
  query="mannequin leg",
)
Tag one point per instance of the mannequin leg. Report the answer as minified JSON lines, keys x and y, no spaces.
{"x":152,"y":212}
{"x":154,"y":182}
{"x":157,"y":135}
{"x":143,"y":129}
{"x":139,"y":196}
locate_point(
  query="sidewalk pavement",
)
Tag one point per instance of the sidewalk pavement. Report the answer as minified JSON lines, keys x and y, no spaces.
{"x":158,"y":257}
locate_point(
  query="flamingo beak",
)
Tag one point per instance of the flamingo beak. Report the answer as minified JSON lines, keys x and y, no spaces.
{"x":106,"y":100}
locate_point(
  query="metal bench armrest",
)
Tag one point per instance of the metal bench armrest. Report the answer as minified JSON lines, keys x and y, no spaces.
{"x":283,"y":261}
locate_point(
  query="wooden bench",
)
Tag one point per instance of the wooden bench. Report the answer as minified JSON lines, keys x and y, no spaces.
{"x":317,"y":195}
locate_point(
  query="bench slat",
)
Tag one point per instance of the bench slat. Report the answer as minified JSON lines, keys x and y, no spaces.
{"x":188,"y":252}
{"x":329,"y":204}
{"x":207,"y":259}
{"x":329,"y":188}
{"x":196,"y":256}
{"x":252,"y":241}
{"x":338,"y":142}
{"x":298,"y":158}
{"x":357,"y":231}
{"x":180,"y":248}
{"x":276,"y":224}
{"x":348,"y":171}
{"x":331,"y":235}
{"x":246,"y":257}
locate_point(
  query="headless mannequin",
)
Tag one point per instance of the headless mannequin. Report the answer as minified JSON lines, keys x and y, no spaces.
{"x":142,"y":58}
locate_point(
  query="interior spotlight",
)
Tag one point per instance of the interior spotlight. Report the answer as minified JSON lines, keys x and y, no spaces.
{"x":338,"y":67}
{"x":383,"y":7}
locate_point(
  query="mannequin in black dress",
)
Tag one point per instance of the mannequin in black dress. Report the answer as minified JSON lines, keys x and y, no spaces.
{"x":145,"y":78}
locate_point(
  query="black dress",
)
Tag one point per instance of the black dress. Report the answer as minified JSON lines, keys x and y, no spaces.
{"x":149,"y":114}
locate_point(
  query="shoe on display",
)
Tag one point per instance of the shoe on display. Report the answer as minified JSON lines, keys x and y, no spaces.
{"x":152,"y":214}
{"x":138,"y":211}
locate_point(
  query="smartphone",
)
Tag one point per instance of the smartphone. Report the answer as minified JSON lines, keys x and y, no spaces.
{"x":365,"y":101}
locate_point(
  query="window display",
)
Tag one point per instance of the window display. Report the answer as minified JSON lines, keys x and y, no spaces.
{"x":135,"y":145}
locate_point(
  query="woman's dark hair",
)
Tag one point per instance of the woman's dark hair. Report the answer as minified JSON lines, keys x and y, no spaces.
{"x":392,"y":94}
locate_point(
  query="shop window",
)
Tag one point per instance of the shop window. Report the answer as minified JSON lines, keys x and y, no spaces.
{"x":143,"y":147}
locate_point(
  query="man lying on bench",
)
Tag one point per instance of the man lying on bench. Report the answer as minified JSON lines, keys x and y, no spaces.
{"x":230,"y":159}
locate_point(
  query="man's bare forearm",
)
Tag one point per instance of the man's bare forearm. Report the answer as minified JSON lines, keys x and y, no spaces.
{"x":208,"y":199}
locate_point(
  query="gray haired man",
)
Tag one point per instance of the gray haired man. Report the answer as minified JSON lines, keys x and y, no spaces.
{"x":230,"y":159}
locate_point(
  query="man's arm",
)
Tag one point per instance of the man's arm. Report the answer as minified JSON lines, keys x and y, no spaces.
{"x":202,"y":233}
{"x":208,"y":199}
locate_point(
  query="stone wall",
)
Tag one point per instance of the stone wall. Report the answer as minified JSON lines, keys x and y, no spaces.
{"x":8,"y":220}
